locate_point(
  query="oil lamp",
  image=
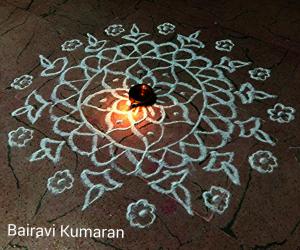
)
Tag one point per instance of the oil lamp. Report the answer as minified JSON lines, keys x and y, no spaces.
{"x":141,"y":95}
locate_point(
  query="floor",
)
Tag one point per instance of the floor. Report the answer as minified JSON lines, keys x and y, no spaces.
{"x":214,"y":164}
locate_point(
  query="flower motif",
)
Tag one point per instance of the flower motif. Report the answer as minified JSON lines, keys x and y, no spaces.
{"x":141,"y":214}
{"x":143,"y":138}
{"x":166,"y":28}
{"x":19,"y":137}
{"x":263,"y":161}
{"x":224,"y":45}
{"x":114,"y":30}
{"x":194,"y":98}
{"x":281,"y":113}
{"x":22,"y":82}
{"x":71,"y":45}
{"x":216,"y":199}
{"x":260,"y":74}
{"x":60,"y":181}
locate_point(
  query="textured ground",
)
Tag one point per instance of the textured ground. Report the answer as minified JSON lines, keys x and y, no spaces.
{"x":264,"y":209}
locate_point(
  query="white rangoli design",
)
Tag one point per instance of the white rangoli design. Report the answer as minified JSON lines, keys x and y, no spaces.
{"x":22,"y":82}
{"x":114,"y":30}
{"x":20,"y":137}
{"x":194,"y":116}
{"x":166,"y":28}
{"x":281,"y":113}
{"x":60,"y":181}
{"x":71,"y":45}
{"x":141,"y":214}
{"x":224,"y":45}
{"x":260,"y":74}
{"x":263,"y":161}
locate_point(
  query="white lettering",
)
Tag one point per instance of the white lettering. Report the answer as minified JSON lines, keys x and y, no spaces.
{"x":39,"y":232}
{"x":11,"y":230}
{"x":63,"y":231}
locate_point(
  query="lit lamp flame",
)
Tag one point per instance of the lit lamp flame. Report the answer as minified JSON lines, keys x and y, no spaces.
{"x":124,"y":108}
{"x":141,"y":95}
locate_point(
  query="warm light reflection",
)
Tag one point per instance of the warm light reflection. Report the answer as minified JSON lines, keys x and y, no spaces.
{"x":124,"y":115}
{"x":112,"y":110}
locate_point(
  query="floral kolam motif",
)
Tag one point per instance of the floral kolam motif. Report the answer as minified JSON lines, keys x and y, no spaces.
{"x":194,"y":116}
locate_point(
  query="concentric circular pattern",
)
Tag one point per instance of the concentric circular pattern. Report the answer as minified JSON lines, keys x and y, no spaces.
{"x":193,"y":97}
{"x":184,"y":100}
{"x":193,"y":116}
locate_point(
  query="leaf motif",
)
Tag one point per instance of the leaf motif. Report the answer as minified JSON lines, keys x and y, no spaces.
{"x":217,"y":159}
{"x":20,"y":111}
{"x":247,"y":93}
{"x":109,"y":184}
{"x":45,"y":62}
{"x":94,"y":45}
{"x":92,"y":40}
{"x":184,"y":198}
{"x":231,"y":172}
{"x":254,"y":130}
{"x":134,"y":30}
{"x":90,"y":196}
{"x":38,"y":155}
{"x":177,"y":178}
{"x":195,"y":35}
{"x":230,"y":65}
{"x":53,"y":68}
{"x":46,"y":151}
{"x":31,"y":107}
{"x":135,"y":34}
{"x":263,"y":137}
{"x":223,"y":162}
{"x":261,"y":95}
{"x":190,"y":41}
{"x":248,"y":132}
{"x":181,"y":39}
{"x":180,"y":193}
{"x":239,"y":64}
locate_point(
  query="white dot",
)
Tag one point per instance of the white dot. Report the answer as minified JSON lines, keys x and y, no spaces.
{"x":119,"y":121}
{"x":143,"y":212}
{"x":215,"y":198}
{"x":263,"y":160}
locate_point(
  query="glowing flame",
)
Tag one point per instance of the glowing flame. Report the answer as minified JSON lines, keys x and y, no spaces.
{"x":123,"y":114}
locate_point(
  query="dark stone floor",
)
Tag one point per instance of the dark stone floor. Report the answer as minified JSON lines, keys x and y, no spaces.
{"x":264,"y":211}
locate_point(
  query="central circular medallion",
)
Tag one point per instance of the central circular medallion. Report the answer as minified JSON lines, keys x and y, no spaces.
{"x":136,"y":102}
